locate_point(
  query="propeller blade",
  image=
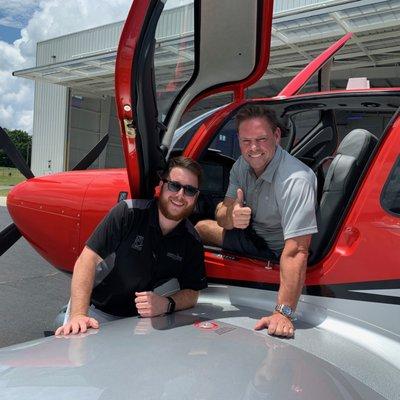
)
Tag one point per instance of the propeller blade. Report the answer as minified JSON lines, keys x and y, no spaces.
{"x":8,"y":236}
{"x":14,"y":155}
{"x":92,"y":155}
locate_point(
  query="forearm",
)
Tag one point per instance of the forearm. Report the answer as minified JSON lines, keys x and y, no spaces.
{"x":292,"y":276}
{"x":82,"y":285}
{"x":293,"y":264}
{"x":223,"y":215}
{"x":185,"y":298}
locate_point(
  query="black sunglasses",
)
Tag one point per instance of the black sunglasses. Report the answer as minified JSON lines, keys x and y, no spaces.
{"x":174,"y":186}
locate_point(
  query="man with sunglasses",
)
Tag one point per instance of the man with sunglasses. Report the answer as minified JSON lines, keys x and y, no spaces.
{"x":144,"y":257}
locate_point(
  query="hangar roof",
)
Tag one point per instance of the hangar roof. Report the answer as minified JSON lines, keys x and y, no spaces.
{"x":298,"y":35}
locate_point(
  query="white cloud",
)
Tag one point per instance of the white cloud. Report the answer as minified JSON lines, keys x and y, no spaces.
{"x":43,"y":20}
{"x":15,"y":13}
{"x":16,"y":95}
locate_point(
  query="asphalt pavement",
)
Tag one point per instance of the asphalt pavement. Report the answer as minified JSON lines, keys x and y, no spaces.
{"x":31,"y":291}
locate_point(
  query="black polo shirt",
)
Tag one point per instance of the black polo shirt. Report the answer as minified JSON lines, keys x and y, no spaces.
{"x":138,"y":257}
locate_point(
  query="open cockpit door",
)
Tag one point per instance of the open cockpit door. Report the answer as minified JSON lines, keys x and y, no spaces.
{"x":322,"y":64}
{"x":134,"y":94}
{"x":169,"y":58}
{"x":233,"y":40}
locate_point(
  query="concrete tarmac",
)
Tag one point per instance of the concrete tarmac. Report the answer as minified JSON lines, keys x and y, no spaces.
{"x":31,"y":291}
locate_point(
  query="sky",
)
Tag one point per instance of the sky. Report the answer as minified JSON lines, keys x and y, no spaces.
{"x":23,"y":23}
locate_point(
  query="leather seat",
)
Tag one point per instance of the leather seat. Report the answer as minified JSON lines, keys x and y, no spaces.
{"x":341,"y":179}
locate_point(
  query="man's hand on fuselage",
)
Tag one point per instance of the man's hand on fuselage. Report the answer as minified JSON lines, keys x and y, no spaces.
{"x":277,"y":324}
{"x":77,"y":324}
{"x":150,"y":304}
{"x":81,"y":287}
{"x":293,"y":265}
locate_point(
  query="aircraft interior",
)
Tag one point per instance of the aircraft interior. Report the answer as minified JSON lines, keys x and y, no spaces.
{"x":334,"y":134}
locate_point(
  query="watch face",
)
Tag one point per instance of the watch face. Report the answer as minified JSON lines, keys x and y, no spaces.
{"x":286,"y":310}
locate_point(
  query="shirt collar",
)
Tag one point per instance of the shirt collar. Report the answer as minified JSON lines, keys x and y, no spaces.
{"x":269,"y":172}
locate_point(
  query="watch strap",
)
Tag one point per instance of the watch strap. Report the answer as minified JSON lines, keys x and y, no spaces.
{"x":285,"y":310}
{"x":171,"y":305}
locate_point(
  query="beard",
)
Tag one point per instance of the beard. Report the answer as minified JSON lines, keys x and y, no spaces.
{"x":164,"y":206}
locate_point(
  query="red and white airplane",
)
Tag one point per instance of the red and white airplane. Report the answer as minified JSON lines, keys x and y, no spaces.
{"x":352,"y":287}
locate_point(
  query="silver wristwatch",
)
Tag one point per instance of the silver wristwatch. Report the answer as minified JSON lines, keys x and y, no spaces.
{"x":285,"y":310}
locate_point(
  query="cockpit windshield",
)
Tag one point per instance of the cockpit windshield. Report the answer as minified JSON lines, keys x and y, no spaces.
{"x":174,"y":54}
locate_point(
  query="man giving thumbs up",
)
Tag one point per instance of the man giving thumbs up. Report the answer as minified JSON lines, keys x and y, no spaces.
{"x":240,"y":213}
{"x":268,"y":210}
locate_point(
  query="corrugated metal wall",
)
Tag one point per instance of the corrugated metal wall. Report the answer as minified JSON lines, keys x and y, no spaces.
{"x":106,"y":37}
{"x":175,"y":22}
{"x":49,"y":127}
{"x":78,"y":44}
{"x":284,"y":6}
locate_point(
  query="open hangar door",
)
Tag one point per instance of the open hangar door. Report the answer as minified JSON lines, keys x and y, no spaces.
{"x":90,"y":119}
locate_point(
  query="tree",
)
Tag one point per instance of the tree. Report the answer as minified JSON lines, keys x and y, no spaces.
{"x":23,"y":142}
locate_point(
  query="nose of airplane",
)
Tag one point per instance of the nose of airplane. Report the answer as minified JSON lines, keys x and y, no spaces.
{"x":57,"y":213}
{"x":47,"y":212}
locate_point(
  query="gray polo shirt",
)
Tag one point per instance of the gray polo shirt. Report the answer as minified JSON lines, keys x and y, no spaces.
{"x":282,"y":198}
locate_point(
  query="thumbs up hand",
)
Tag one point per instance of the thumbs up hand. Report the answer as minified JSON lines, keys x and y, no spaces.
{"x":240,"y":215}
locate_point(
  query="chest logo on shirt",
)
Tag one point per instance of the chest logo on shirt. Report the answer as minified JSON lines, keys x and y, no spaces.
{"x":138,"y":243}
{"x":175,"y":257}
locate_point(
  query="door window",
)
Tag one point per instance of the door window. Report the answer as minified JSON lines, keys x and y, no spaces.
{"x":174,"y":52}
{"x":390,"y":198}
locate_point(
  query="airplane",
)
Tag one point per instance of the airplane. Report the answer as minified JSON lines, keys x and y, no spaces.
{"x":347,"y":339}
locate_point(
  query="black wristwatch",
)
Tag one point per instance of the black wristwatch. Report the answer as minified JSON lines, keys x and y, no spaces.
{"x":171,"y":305}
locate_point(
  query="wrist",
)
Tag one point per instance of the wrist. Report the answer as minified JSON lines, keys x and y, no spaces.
{"x":76,"y":315}
{"x":224,"y":217}
{"x":278,"y":313}
{"x":285,"y":310}
{"x":166,"y":305}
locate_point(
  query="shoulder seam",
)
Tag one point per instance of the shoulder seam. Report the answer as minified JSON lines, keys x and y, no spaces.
{"x":138,"y":203}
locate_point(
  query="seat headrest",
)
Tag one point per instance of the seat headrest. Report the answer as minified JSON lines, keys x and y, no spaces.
{"x":357,"y":143}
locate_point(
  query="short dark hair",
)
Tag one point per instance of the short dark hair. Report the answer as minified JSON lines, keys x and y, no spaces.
{"x":185,"y":163}
{"x":257,"y":111}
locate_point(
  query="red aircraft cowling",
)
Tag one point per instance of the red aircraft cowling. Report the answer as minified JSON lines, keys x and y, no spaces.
{"x":57,"y":213}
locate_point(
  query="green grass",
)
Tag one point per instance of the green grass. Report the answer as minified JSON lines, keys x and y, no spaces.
{"x":10,"y":176}
{"x":4,"y":192}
